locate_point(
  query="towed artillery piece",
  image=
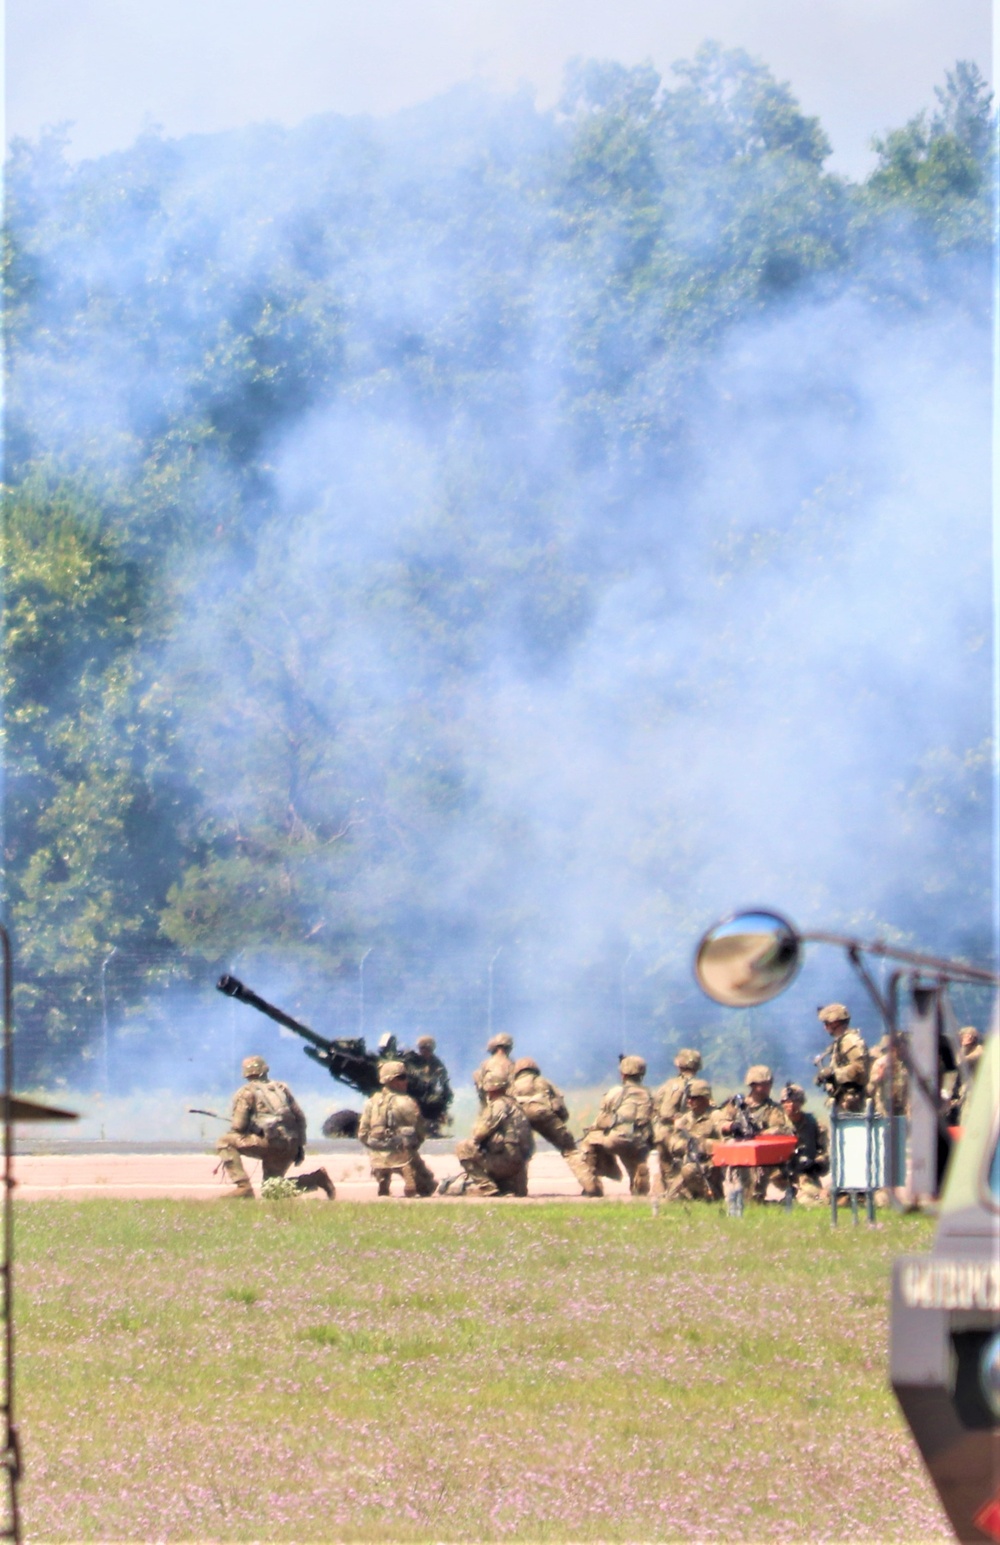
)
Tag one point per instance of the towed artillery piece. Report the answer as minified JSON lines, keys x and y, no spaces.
{"x":348,"y":1060}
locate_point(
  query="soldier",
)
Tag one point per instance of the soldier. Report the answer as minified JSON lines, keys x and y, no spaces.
{"x":495,"y":1157}
{"x":845,"y":1075}
{"x":764,"y":1116}
{"x":392,"y":1130}
{"x":692,"y":1140}
{"x":268,"y":1124}
{"x":668,"y":1102}
{"x":811,"y":1159}
{"x":971,"y":1044}
{"x":499,"y":1048}
{"x":623,"y":1130}
{"x":877,"y":1087}
{"x":545,"y":1108}
{"x":428,"y":1083}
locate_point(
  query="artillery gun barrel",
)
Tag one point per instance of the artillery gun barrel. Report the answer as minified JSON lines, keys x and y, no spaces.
{"x":234,"y":988}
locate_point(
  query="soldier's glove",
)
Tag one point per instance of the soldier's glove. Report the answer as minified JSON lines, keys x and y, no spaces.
{"x":823,"y":1078}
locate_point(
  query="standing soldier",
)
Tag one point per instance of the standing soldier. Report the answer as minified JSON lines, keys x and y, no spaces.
{"x":498,"y":1061}
{"x":268,"y":1124}
{"x":428,"y":1083}
{"x":811,"y":1159}
{"x":495,"y":1157}
{"x":392,"y":1130}
{"x":545,"y":1107}
{"x":845,"y":1075}
{"x":668,"y":1102}
{"x":623,"y":1130}
{"x":971,"y":1049}
{"x":693,"y":1137}
{"x":877,"y":1088}
{"x":761,"y":1113}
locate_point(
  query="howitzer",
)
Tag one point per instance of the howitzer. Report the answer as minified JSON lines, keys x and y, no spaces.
{"x":346,"y":1058}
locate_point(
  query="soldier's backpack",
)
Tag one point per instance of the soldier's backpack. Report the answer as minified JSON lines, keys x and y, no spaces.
{"x":274,"y":1113}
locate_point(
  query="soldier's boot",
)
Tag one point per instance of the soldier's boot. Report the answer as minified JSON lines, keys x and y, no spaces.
{"x":231,"y":1166}
{"x":638,"y":1174}
{"x":317,"y":1180}
{"x":383,"y":1184}
{"x":420,"y":1181}
{"x":582,"y":1173}
{"x":241,"y":1192}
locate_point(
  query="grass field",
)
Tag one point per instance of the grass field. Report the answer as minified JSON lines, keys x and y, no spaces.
{"x":459,"y":1372}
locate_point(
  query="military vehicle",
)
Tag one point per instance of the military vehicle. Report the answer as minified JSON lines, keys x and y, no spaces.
{"x":945,"y":1333}
{"x":348,"y":1060}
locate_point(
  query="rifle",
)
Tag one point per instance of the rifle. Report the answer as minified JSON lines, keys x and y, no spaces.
{"x":743,"y":1124}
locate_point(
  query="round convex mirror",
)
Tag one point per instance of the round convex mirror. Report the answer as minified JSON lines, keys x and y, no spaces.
{"x":747,"y":959}
{"x":989,"y":1375}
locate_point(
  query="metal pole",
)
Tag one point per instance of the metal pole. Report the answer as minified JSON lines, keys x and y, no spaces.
{"x":489,"y":994}
{"x":104,"y":1017}
{"x":361,"y":991}
{"x":10,"y":1458}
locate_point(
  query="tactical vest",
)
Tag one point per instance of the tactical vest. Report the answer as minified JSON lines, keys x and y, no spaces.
{"x":390,"y":1123}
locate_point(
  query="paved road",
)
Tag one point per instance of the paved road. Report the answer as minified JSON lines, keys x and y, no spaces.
{"x":189,"y":1176}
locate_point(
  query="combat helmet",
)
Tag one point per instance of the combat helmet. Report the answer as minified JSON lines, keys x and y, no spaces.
{"x":255,"y":1067}
{"x":699,"y":1086}
{"x":632,"y":1067}
{"x":791,"y":1092}
{"x":526,"y":1065}
{"x":493,"y":1083}
{"x":760,"y":1073}
{"x":425,"y":1040}
{"x":834,"y":1014}
{"x":389,"y":1071}
{"x":688,"y":1060}
{"x":502,"y":1042}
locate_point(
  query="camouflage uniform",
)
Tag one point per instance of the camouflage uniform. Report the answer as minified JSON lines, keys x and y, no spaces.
{"x":545,"y":1107}
{"x":267,"y":1124}
{"x":877,"y":1087}
{"x":845,"y":1076}
{"x":392,"y":1130}
{"x":498,"y":1063}
{"x":623,"y":1130}
{"x":971,"y":1043}
{"x":668,"y":1103}
{"x":495,"y":1157}
{"x":811,"y":1159}
{"x":693,"y":1137}
{"x":765,"y":1116}
{"x":428,"y":1082}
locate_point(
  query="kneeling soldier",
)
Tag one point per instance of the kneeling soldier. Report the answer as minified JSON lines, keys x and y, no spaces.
{"x":545,"y":1107}
{"x":392,"y":1130}
{"x":668,"y":1103}
{"x":761,"y":1114}
{"x":495,"y":1157}
{"x":695,"y":1133}
{"x":811,"y":1159}
{"x":267,"y":1124}
{"x":623,"y":1130}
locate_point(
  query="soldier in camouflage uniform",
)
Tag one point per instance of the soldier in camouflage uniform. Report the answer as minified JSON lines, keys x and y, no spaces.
{"x":811,"y":1159}
{"x":764,"y":1116}
{"x":623,"y":1131}
{"x":877,"y":1088}
{"x":495,"y":1157}
{"x":693,"y":1137}
{"x":428,"y":1082}
{"x":844,"y":1075}
{"x":267,"y":1124}
{"x":498,"y":1061}
{"x":668,"y":1102}
{"x":392,"y":1130}
{"x":545,"y":1107}
{"x":971,"y":1043}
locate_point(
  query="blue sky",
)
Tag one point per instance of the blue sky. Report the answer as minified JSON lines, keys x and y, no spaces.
{"x":109,"y":67}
